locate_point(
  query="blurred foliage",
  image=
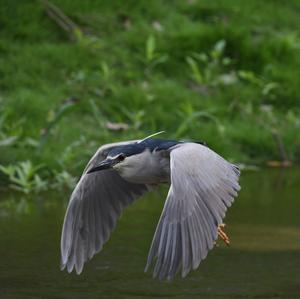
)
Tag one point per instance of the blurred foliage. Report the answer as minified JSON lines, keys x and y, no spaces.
{"x":23,"y":177}
{"x":225,"y":72}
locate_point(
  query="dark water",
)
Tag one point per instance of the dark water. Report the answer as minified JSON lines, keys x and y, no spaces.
{"x":262,"y":262}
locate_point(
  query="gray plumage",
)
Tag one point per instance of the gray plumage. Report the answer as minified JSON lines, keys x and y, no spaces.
{"x":203,"y":186}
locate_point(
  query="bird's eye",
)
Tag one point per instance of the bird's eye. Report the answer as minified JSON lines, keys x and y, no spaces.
{"x":121,"y":157}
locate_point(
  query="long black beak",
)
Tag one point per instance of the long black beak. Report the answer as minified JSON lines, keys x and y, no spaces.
{"x":106,"y":164}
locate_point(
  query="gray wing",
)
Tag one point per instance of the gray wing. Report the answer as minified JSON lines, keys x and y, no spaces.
{"x":203,"y":186}
{"x":95,"y":205}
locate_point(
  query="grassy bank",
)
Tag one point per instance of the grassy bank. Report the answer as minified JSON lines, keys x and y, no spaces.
{"x":226,"y":72}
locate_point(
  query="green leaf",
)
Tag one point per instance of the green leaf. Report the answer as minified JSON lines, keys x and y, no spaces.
{"x":218,"y":49}
{"x":195,"y":70}
{"x":8,"y":141}
{"x":150,"y":48}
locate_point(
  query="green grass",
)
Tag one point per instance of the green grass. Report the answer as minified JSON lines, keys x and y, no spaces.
{"x":155,"y":65}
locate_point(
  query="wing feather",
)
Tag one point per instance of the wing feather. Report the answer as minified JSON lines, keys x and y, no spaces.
{"x":203,"y":186}
{"x":95,"y":205}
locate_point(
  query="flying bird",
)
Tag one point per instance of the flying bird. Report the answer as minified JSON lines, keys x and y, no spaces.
{"x":202,"y":186}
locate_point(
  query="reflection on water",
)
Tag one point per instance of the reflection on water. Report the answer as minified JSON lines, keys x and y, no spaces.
{"x":263,"y":260}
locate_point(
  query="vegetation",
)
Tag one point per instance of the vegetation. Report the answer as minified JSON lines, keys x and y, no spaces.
{"x":224,"y":71}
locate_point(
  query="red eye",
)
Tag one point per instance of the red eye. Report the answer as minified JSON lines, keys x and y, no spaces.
{"x":121,"y":157}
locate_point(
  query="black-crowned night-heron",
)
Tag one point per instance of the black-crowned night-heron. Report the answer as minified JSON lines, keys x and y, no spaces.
{"x":203,"y":186}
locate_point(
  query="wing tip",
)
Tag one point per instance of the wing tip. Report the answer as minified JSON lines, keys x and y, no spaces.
{"x":62,"y":267}
{"x":71,"y":267}
{"x":146,"y":268}
{"x":184,"y":272}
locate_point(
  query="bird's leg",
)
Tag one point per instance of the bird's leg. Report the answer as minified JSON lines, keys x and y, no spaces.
{"x":222,"y":234}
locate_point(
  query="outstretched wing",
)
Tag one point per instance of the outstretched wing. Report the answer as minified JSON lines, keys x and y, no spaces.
{"x":203,"y":186}
{"x":95,"y":205}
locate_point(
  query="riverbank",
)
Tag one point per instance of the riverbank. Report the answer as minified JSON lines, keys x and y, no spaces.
{"x":225,"y":72}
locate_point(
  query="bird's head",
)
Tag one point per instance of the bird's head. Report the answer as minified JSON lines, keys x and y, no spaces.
{"x":118,"y":156}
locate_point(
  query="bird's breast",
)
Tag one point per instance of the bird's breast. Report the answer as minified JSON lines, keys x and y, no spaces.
{"x":145,"y":168}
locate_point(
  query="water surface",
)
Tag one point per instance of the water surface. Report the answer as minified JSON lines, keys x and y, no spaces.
{"x":263,"y":260}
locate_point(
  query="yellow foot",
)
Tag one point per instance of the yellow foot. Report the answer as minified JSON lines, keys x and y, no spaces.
{"x":222,"y":234}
